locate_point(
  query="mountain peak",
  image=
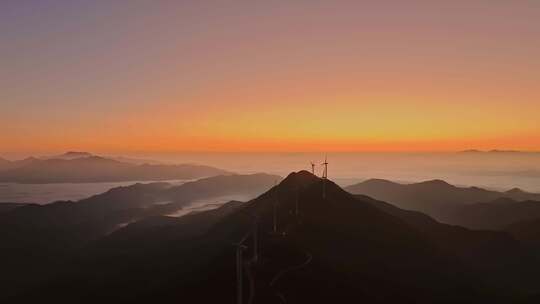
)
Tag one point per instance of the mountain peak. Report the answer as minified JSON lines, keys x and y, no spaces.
{"x":28,"y":160}
{"x":436,"y":182}
{"x":515,"y":191}
{"x":299,"y":179}
{"x":77,"y":153}
{"x":69,"y":155}
{"x":379,"y":181}
{"x":73,"y":155}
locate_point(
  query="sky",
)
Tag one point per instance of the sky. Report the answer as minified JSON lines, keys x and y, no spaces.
{"x":165,"y":76}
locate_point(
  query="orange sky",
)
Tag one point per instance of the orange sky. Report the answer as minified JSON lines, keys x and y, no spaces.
{"x":308,"y":76}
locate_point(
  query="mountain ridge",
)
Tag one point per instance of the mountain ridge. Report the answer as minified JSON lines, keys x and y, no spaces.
{"x":436,"y":198}
{"x":312,"y":249}
{"x":342,"y":234}
{"x":83,"y":167}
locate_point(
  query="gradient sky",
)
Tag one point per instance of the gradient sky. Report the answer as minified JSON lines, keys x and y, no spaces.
{"x":121,"y":76}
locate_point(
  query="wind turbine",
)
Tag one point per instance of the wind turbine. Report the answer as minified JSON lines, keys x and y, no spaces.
{"x":325,"y":175}
{"x":313,"y":168}
{"x":325,"y":170}
{"x":276,"y":201}
{"x":297,"y":209}
{"x":239,"y":269}
{"x":255,"y":238}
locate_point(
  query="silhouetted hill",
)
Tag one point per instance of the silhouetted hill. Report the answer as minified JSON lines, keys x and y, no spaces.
{"x":337,"y":249}
{"x":520,"y":195}
{"x":436,"y":198}
{"x":137,"y":161}
{"x":527,"y":231}
{"x":71,"y":155}
{"x":4,"y":207}
{"x":24,"y":162}
{"x":494,"y":215}
{"x":486,"y":251}
{"x":75,"y":155}
{"x":62,"y":226}
{"x":494,"y":151}
{"x":124,"y":204}
{"x":5,"y":164}
{"x":190,"y":225}
{"x":76,"y":167}
{"x":252,"y":184}
{"x":34,"y":239}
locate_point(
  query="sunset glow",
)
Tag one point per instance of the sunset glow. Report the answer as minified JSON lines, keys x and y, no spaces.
{"x":421,"y":76}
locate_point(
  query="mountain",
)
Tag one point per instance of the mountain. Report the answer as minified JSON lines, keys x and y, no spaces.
{"x":5,"y":164}
{"x":495,"y":254}
{"x":137,"y":161}
{"x":71,"y":155}
{"x":75,"y":155}
{"x":76,"y":167}
{"x":35,"y":240}
{"x":5,"y":207}
{"x":312,"y":249}
{"x":494,"y":215}
{"x":25,"y":162}
{"x":520,"y":195}
{"x":527,"y":231}
{"x":492,"y":151}
{"x":435,"y":198}
{"x":102,"y":213}
{"x":252,"y":184}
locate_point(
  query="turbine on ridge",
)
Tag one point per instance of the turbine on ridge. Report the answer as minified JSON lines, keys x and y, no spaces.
{"x":325,"y":175}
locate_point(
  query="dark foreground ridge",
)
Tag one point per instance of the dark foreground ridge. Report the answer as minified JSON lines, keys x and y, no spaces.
{"x":291,"y":245}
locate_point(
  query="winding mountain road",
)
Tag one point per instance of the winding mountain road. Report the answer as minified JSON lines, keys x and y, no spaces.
{"x":283,"y":272}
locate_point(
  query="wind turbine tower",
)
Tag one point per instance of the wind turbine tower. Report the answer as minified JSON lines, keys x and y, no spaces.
{"x":239,"y":271}
{"x":325,"y":175}
{"x":297,"y":208}
{"x":276,"y":201}
{"x":256,"y":239}
{"x":313,"y":168}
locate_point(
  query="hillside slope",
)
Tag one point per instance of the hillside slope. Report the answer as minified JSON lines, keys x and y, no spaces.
{"x":340,"y":248}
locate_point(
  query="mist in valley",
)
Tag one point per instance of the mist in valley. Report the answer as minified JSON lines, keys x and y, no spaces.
{"x":499,"y":170}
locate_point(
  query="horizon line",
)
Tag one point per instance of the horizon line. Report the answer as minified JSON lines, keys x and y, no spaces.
{"x":165,"y":152}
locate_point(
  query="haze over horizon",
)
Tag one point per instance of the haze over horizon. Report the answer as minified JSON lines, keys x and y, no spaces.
{"x":497,"y":170}
{"x":275,"y":77}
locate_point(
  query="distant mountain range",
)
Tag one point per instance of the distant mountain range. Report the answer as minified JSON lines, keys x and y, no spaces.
{"x":454,"y":205}
{"x":4,"y":163}
{"x":34,"y":239}
{"x":493,"y":151}
{"x":70,"y":155}
{"x":74,"y":155}
{"x":83,"y":167}
{"x":340,"y":248}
